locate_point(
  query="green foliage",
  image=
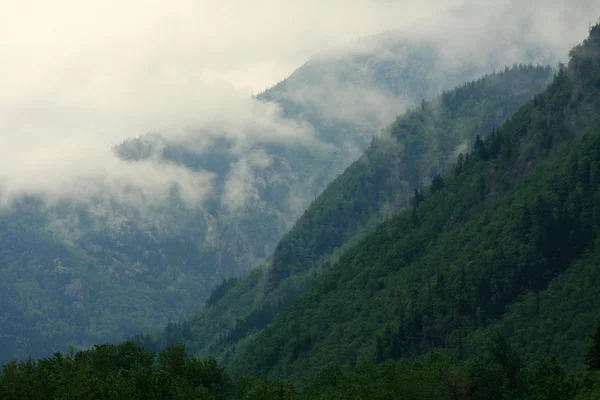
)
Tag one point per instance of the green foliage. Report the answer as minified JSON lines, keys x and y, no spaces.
{"x":592,"y":356}
{"x":127,"y":371}
{"x":549,"y":381}
{"x":220,"y":291}
{"x":554,"y":321}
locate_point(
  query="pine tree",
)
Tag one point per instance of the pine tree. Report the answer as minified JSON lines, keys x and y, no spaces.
{"x":480,"y":150}
{"x":437,"y":184}
{"x":388,"y":336}
{"x":592,"y":356}
{"x":379,"y":356}
{"x":460,"y":163}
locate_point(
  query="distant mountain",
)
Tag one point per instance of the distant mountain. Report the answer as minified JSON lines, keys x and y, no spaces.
{"x":106,"y":269}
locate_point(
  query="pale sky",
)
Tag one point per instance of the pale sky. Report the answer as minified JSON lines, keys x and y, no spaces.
{"x":79,"y":76}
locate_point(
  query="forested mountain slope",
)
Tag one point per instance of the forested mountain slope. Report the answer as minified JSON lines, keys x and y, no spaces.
{"x":416,"y":147}
{"x":408,"y":154}
{"x":79,"y":271}
{"x":516,"y":212}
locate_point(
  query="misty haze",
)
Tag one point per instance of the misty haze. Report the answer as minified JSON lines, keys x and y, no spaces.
{"x":317,"y":199}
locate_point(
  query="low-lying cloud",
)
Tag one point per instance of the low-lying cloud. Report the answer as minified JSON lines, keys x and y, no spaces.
{"x":76,"y":78}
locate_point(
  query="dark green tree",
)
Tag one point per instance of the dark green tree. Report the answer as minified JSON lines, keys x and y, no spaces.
{"x":592,"y":355}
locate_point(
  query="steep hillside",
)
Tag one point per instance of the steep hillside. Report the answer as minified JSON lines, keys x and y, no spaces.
{"x":516,"y":211}
{"x":408,"y":154}
{"x":411,"y":151}
{"x":105,"y":268}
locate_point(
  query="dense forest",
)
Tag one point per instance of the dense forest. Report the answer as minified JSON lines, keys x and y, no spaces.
{"x":419,"y":145}
{"x":128,"y":371}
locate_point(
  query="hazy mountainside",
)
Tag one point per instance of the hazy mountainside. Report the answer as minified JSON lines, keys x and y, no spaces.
{"x":411,"y":151}
{"x":408,"y":154}
{"x":106,"y":268}
{"x":516,"y":212}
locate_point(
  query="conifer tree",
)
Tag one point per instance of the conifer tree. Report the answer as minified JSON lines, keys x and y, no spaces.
{"x":592,"y":356}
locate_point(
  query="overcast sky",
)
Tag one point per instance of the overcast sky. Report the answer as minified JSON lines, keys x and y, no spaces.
{"x":78,"y":76}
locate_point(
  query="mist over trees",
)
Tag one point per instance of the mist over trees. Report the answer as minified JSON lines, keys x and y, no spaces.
{"x":406,"y":216}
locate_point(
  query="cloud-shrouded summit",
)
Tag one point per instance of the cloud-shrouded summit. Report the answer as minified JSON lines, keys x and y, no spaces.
{"x":78,"y":78}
